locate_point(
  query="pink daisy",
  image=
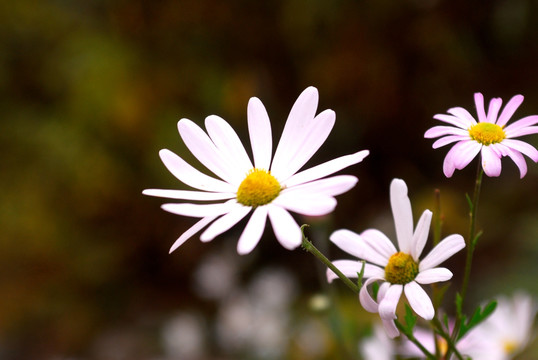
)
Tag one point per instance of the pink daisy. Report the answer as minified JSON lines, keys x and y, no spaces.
{"x":489,"y":136}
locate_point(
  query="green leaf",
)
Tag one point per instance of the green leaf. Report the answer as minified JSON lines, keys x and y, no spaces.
{"x":361,"y":275}
{"x":478,"y":316}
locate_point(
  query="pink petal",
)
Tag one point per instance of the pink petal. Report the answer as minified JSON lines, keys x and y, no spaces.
{"x":460,"y":117}
{"x":494,"y":107}
{"x":253,"y":231}
{"x":403,"y":216}
{"x":522,"y":147}
{"x":491,"y":162}
{"x":419,"y":300}
{"x":448,"y":140}
{"x":366,"y":300}
{"x":480,"y":110}
{"x":259,"y":129}
{"x":387,"y":306}
{"x":437,"y":131}
{"x":464,"y":153}
{"x":445,"y":249}
{"x":390,"y":328}
{"x":518,"y":126}
{"x":509,"y":110}
{"x":350,"y":242}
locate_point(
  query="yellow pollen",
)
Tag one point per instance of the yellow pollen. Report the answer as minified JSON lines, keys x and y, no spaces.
{"x":401,"y":269}
{"x":487,"y":133}
{"x":258,"y":188}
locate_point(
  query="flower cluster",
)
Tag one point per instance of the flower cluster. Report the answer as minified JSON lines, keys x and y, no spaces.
{"x":272,"y":186}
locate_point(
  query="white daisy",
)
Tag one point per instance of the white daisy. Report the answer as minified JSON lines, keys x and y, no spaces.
{"x":398,"y":271}
{"x":271,"y":186}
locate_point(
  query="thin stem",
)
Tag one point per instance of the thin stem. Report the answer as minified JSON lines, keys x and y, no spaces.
{"x":308,"y":246}
{"x":450,"y":343}
{"x":471,"y":244}
{"x":412,"y":338}
{"x":471,"y":240}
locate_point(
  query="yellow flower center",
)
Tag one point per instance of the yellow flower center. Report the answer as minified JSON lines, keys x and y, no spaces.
{"x":401,"y":269}
{"x":487,"y":133}
{"x":510,"y":346}
{"x":258,"y":188}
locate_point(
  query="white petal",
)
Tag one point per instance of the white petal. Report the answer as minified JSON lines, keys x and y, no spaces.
{"x":226,"y":140}
{"x":390,"y":328}
{"x":367,"y":302}
{"x":381,"y":245}
{"x":491,"y":162}
{"x":304,"y":146}
{"x":509,"y":109}
{"x":201,"y":146}
{"x":259,"y":129}
{"x":445,"y":249}
{"x":306,"y":205}
{"x":351,"y":269}
{"x":421,"y":234}
{"x":191,"y":231}
{"x":350,"y":242}
{"x":331,"y":186}
{"x":387,"y":306}
{"x":190,"y":176}
{"x":253,"y":231}
{"x":286,"y":230}
{"x":301,"y":115}
{"x":200,"y":210}
{"x":403,"y":216}
{"x":430,"y":276}
{"x":419,"y":300}
{"x":188,"y":195}
{"x":325,"y":169}
{"x":225,"y":222}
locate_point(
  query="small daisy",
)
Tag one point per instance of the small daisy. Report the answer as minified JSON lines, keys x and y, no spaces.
{"x":270,"y":188}
{"x":489,"y":136}
{"x":398,"y":271}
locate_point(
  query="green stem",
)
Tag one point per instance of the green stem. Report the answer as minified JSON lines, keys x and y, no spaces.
{"x":471,"y":244}
{"x":449,"y":341}
{"x":412,"y":338}
{"x":308,"y":246}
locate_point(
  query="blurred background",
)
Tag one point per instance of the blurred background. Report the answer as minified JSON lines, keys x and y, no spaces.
{"x":92,"y":90}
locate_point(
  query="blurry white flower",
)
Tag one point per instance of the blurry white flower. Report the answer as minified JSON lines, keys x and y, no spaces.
{"x":378,"y":346}
{"x":216,"y":275}
{"x":270,"y":187}
{"x":183,"y":337}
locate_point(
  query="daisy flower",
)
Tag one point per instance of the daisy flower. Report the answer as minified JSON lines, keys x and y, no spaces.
{"x":269,"y":187}
{"x":397,"y":270}
{"x":489,"y":136}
